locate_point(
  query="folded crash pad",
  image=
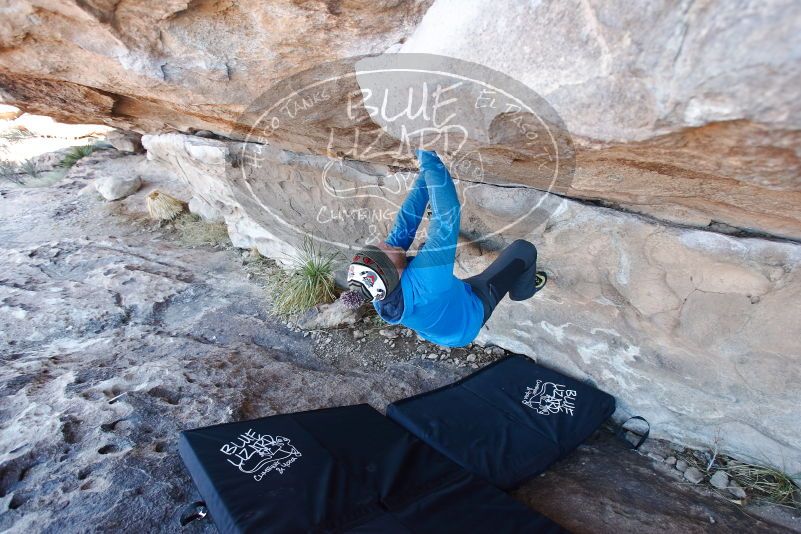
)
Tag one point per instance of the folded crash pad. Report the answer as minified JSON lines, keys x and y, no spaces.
{"x":507,"y":422}
{"x":346,"y":469}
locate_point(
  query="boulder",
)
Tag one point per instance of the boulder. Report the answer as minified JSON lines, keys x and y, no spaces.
{"x":125,"y":141}
{"x":204,"y":210}
{"x":668,"y":105}
{"x":331,"y":315}
{"x":116,"y":187}
{"x":9,"y":113}
{"x":673,"y":246}
{"x":663,"y":317}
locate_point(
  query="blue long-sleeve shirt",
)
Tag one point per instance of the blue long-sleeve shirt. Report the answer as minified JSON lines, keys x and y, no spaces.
{"x":430,"y":299}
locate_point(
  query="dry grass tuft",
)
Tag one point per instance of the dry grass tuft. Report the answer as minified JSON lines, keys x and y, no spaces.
{"x":164,"y":207}
{"x":759,"y":482}
{"x":765,"y":482}
{"x":194,"y":231}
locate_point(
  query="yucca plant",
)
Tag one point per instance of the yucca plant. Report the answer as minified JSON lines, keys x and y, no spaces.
{"x":15,"y":134}
{"x":310,"y":281}
{"x":10,"y":171}
{"x":164,"y":207}
{"x":75,"y":154}
{"x":30,"y":167}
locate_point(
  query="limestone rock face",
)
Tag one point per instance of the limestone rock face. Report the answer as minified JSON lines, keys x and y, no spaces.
{"x":155,"y":65}
{"x":695,"y":330}
{"x":673,"y":248}
{"x":684,"y":111}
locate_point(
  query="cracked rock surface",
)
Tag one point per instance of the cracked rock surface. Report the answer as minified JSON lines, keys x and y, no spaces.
{"x":694,"y":330}
{"x":115,"y":337}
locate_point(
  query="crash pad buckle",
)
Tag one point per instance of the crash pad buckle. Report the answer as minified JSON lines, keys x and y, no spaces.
{"x":192,"y":512}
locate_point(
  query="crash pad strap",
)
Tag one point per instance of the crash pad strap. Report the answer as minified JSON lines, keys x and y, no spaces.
{"x":621,"y":432}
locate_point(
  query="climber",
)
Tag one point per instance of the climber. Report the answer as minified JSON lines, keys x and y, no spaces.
{"x":422,"y":292}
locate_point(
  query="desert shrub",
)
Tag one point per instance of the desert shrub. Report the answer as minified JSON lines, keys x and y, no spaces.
{"x":75,"y":154}
{"x":30,"y":167}
{"x":15,"y":134}
{"x":11,"y":172}
{"x":308,"y":283}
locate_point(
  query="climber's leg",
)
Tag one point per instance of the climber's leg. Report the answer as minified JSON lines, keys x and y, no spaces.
{"x":513,"y":272}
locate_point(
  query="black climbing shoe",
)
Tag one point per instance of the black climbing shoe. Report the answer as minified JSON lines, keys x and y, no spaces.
{"x":540,"y":279}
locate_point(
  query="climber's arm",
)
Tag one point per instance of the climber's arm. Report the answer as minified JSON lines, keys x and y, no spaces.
{"x":434,"y":263}
{"x":408,"y":218}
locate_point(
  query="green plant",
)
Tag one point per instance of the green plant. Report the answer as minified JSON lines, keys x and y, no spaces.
{"x":310,"y":281}
{"x":15,"y":134}
{"x":10,"y":171}
{"x":30,"y":167}
{"x":75,"y":154}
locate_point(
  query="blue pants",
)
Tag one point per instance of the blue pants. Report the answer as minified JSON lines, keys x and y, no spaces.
{"x":513,"y":272}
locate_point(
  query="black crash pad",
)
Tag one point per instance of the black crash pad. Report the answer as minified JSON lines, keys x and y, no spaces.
{"x":346,"y":469}
{"x":507,"y":422}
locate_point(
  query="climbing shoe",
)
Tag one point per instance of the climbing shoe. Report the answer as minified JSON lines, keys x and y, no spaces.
{"x":539,"y":280}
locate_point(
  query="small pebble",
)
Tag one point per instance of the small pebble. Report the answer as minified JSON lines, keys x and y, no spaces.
{"x":471,"y":357}
{"x":432,"y":356}
{"x":682,"y":465}
{"x":391,"y":334}
{"x":358,"y":334}
{"x":720,"y":480}
{"x":736,"y":490}
{"x":693,"y":475}
{"x":670,"y":460}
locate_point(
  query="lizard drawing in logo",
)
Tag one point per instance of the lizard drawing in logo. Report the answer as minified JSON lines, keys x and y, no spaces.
{"x":260,"y":453}
{"x":369,"y":279}
{"x":549,"y":398}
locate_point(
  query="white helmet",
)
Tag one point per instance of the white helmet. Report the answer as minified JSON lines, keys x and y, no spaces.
{"x":372,"y":274}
